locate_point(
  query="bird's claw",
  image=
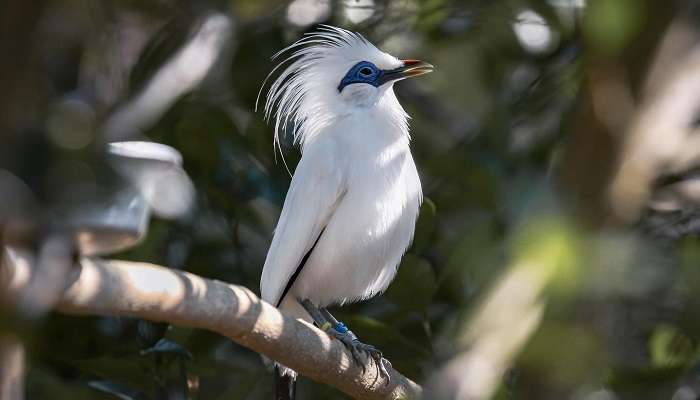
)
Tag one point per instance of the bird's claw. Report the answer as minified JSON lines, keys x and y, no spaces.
{"x":378,"y":357}
{"x":359,"y":349}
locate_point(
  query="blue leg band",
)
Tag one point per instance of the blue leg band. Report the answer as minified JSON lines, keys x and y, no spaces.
{"x":341,"y":328}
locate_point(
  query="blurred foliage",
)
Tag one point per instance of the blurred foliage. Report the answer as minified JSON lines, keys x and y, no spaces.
{"x":489,"y":132}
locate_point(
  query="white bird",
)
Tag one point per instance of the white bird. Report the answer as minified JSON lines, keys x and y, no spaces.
{"x":351,"y":208}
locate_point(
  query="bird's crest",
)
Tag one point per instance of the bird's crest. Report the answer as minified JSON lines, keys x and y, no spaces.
{"x":299,"y":96}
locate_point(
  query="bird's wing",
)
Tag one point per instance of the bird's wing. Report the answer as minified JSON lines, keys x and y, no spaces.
{"x":315,"y":191}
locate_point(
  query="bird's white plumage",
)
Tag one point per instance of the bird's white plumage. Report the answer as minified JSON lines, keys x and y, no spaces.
{"x":356,"y":184}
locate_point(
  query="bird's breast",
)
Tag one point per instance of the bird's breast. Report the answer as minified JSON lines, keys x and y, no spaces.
{"x":371,"y":228}
{"x":383,"y":191}
{"x":361,"y":246}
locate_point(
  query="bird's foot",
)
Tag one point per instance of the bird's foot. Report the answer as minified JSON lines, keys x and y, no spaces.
{"x":359,"y":349}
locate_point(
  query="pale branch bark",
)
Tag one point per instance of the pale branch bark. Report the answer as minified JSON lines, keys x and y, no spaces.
{"x":491,"y":339}
{"x":102,"y":287}
{"x":46,"y":276}
{"x":662,"y":138}
{"x":12,"y":368}
{"x":186,"y":69}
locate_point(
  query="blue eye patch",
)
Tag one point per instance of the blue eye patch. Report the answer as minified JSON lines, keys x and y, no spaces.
{"x":362,"y":72}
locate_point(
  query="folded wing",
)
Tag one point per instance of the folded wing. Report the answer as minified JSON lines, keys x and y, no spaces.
{"x":315,"y":191}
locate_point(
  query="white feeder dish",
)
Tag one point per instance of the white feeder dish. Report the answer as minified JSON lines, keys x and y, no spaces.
{"x":153,"y":181}
{"x":155,"y":170}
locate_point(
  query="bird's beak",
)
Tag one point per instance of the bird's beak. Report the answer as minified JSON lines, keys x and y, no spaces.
{"x":414,"y":68}
{"x":409,"y":69}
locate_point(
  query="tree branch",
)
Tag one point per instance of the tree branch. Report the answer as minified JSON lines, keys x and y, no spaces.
{"x":141,"y":290}
{"x":662,"y":138}
{"x":12,"y":368}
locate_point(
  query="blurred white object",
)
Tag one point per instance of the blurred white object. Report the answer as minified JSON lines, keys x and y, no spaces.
{"x":684,"y":194}
{"x":153,"y":181}
{"x":155,"y":170}
{"x":307,"y":12}
{"x":145,"y":151}
{"x":532,"y":31}
{"x":112,"y":224}
{"x":567,"y":3}
{"x":357,"y":11}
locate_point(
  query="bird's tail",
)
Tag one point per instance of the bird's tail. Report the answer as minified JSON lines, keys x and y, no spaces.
{"x":285,"y":383}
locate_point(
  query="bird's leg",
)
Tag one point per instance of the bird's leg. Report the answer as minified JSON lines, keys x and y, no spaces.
{"x":315,"y":314}
{"x":340,"y":332}
{"x":337,"y":330}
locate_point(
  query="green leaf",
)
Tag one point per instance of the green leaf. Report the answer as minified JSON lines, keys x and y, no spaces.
{"x":670,"y":348}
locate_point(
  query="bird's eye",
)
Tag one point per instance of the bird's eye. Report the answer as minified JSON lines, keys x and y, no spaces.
{"x":362,"y":72}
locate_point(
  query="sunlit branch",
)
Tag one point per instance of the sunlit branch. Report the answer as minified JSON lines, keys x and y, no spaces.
{"x":102,"y":287}
{"x":495,"y":335}
{"x":509,"y":314}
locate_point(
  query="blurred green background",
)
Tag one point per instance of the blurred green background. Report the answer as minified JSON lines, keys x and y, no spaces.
{"x":513,"y":153}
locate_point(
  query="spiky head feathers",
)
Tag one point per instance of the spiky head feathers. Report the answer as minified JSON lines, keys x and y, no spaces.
{"x":308,"y":94}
